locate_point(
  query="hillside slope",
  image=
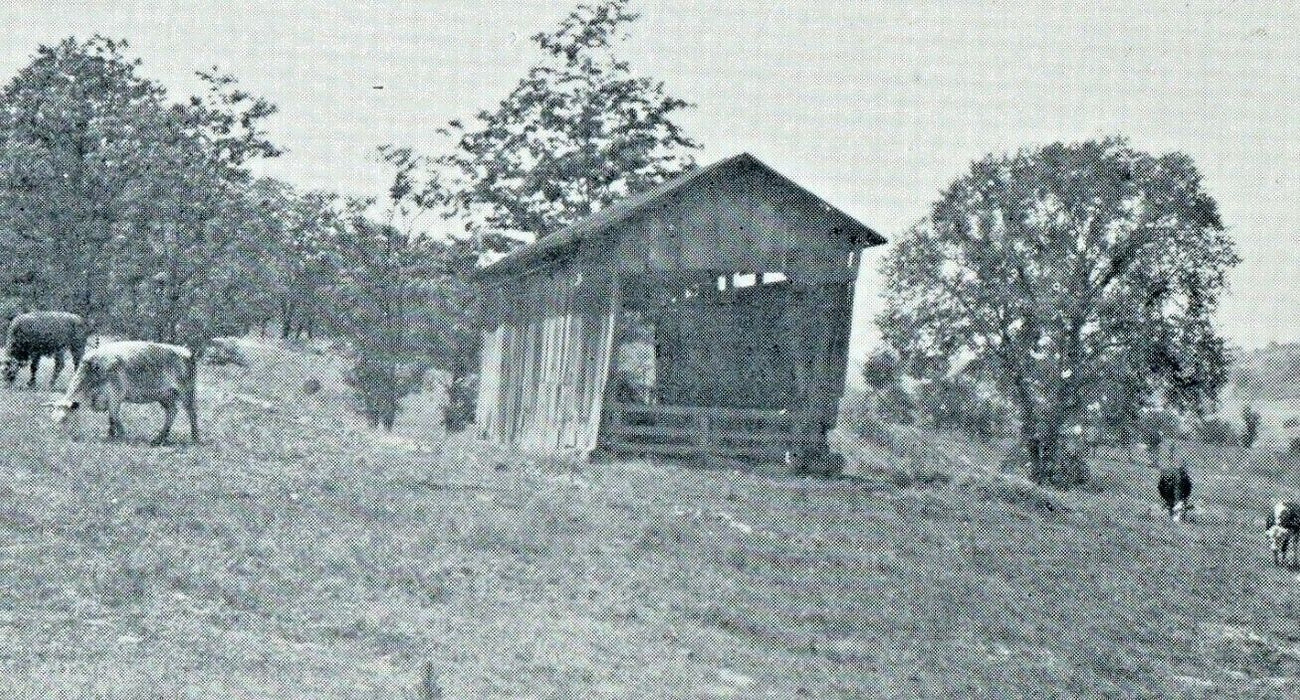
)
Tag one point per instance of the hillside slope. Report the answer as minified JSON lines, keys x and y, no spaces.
{"x":1268,"y":373}
{"x":292,"y":555}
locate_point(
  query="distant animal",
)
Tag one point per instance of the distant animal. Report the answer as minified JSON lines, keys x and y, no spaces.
{"x":134,"y":371}
{"x":37,"y":334}
{"x":1175,"y":486}
{"x":1283,"y":529}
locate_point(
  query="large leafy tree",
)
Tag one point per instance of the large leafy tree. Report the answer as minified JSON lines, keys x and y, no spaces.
{"x":1083,"y":278}
{"x":580,"y":131}
{"x":74,"y":124}
{"x":132,"y":209}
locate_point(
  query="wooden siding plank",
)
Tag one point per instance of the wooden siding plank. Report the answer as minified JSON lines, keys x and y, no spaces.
{"x":605,"y":353}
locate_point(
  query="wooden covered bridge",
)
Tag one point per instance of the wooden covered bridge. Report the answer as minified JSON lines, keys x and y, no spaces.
{"x":707,"y":317}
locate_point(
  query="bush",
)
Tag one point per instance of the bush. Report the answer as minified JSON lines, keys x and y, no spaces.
{"x":462,"y":399}
{"x":1216,"y":431}
{"x":955,"y":403}
{"x":895,"y":405}
{"x":379,"y":388}
{"x":882,"y":370}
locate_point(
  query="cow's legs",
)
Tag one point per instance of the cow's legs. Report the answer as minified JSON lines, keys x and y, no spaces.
{"x":36,"y":362}
{"x":191,"y":412}
{"x":58,"y":367}
{"x":115,"y":430}
{"x":169,"y":415}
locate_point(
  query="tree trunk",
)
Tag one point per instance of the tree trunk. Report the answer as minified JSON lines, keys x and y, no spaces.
{"x":286,"y":321}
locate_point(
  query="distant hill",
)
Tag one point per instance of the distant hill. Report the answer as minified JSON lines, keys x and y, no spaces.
{"x":1269,"y":373}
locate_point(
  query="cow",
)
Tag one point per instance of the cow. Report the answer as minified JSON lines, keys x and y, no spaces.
{"x":133,"y":371}
{"x":37,"y":334}
{"x":1283,"y":529}
{"x":1175,"y":486}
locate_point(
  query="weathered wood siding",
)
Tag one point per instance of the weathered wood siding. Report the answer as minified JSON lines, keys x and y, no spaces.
{"x":745,"y":219}
{"x":545,"y":359}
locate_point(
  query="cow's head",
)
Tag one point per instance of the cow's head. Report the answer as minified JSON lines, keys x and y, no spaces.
{"x":1182,"y":511}
{"x":62,"y":410}
{"x":10,"y":370}
{"x":1278,"y":539}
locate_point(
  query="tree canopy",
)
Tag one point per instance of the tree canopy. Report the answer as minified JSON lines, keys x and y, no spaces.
{"x":124,"y":206}
{"x":579,"y":132}
{"x":1082,"y":277}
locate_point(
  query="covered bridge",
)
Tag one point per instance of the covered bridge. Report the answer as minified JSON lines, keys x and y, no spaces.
{"x":707,"y":317}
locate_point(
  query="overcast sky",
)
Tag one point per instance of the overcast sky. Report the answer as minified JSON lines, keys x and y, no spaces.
{"x":875,"y":106}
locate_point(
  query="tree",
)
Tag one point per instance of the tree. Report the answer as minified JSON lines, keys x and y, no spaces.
{"x":579,"y":132}
{"x":1081,"y":275}
{"x":72,"y":135}
{"x":400,"y":296}
{"x":192,"y":253}
{"x":134,"y":210}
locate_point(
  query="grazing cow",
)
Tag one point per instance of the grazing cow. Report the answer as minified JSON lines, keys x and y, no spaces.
{"x":1175,"y":486}
{"x":40,"y":334}
{"x":133,"y":371}
{"x":1283,"y":529}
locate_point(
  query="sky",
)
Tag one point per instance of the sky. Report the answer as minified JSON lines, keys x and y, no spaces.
{"x":874,"y":106}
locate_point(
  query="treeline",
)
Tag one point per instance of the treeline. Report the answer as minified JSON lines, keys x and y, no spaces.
{"x":140,"y":211}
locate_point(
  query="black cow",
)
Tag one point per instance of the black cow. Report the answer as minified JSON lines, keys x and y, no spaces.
{"x":38,"y":334}
{"x":1175,"y":486}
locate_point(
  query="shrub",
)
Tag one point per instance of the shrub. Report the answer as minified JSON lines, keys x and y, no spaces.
{"x":955,"y":403}
{"x":882,"y":370}
{"x":462,"y":398}
{"x":380,"y":386}
{"x":895,"y":405}
{"x":1216,"y":431}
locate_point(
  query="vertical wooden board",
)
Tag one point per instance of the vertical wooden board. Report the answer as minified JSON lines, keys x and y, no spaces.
{"x":509,"y":381}
{"x":570,"y":370}
{"x":554,"y":380}
{"x":515,"y":367}
{"x":604,"y":353}
{"x":489,"y":387}
{"x":592,"y":334}
{"x":532,"y":427}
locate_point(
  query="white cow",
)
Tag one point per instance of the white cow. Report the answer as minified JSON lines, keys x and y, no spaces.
{"x":133,"y":371}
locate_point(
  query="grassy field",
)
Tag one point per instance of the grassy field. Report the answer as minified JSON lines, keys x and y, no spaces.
{"x":294,"y":555}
